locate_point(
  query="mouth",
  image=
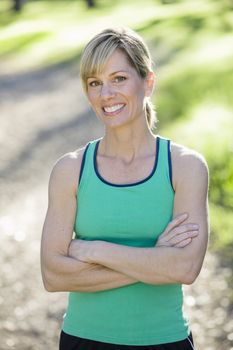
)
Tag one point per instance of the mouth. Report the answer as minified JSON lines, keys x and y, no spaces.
{"x":113,"y":110}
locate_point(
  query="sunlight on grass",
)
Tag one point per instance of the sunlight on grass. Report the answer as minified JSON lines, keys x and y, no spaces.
{"x":214,"y":52}
{"x":10,"y":46}
{"x":25,"y":27}
{"x":210,"y":132}
{"x":221,"y":223}
{"x":209,"y":127}
{"x":67,"y":29}
{"x":192,"y":43}
{"x":183,"y":89}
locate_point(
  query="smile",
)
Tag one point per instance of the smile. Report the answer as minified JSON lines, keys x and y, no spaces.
{"x":114,"y":109}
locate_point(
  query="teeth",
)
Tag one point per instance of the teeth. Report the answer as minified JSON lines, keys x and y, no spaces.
{"x":113,"y":108}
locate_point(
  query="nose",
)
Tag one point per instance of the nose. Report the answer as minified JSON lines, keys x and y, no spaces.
{"x":107,"y":91}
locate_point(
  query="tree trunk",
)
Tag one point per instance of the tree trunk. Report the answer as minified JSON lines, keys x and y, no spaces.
{"x":17,"y":5}
{"x":90,"y":3}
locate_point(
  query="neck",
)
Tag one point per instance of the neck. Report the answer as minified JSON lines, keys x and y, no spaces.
{"x":127,"y":143}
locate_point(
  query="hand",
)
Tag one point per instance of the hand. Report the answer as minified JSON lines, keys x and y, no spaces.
{"x":81,"y":250}
{"x":177,"y":235}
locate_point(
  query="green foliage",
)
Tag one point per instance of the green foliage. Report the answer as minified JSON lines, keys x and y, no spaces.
{"x":209,"y":130}
{"x":192,"y":46}
{"x":68,"y":25}
{"x":221,"y":180}
{"x":221,"y":199}
{"x":221,"y":238}
{"x":194,"y":99}
{"x":187,"y":87}
{"x":16,"y":44}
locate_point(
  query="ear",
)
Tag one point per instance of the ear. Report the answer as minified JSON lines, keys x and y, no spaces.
{"x":150,"y":82}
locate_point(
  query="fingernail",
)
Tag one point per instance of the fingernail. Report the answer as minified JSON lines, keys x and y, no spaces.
{"x":195,"y":226}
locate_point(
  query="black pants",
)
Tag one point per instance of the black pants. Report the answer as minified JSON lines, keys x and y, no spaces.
{"x":69,"y":342}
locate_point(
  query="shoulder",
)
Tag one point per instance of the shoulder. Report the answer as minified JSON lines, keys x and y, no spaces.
{"x":69,"y":162}
{"x":65,"y":171}
{"x":186,"y":156}
{"x":188,"y":165}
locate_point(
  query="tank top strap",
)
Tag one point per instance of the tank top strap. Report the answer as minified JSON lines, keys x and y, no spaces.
{"x":164,"y":164}
{"x":87,"y":163}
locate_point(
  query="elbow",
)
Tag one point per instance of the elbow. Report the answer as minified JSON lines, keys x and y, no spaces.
{"x":190,"y":274}
{"x":49,"y":287}
{"x":188,"y":279}
{"x":49,"y":282}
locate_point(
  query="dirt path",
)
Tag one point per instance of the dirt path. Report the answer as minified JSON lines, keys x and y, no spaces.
{"x":43,"y":115}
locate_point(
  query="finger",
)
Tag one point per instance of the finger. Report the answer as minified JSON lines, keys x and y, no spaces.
{"x":180,"y":238}
{"x":180,"y":230}
{"x":183,"y":236}
{"x":177,"y":238}
{"x":176,"y":222}
{"x":184,"y":243}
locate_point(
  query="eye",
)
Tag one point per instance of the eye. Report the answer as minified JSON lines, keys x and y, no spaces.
{"x":94,"y":83}
{"x":119,"y":78}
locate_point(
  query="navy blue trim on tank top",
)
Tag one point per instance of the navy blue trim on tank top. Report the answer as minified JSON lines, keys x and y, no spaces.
{"x":170,"y":162}
{"x":83,"y":162}
{"x":130,"y":184}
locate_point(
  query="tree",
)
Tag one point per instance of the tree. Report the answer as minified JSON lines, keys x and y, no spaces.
{"x":17,"y":5}
{"x":90,"y":3}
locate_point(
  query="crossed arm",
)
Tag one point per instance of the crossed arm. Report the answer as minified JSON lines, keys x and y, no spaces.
{"x":60,"y":271}
{"x":76,"y":265}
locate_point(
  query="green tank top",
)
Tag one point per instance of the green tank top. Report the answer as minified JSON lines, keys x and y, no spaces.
{"x":132,"y":214}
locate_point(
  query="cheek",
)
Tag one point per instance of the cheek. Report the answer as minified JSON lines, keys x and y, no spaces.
{"x":138,"y":98}
{"x":92,"y":98}
{"x":136,"y":90}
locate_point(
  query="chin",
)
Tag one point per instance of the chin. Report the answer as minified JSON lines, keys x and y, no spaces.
{"x":118,"y":124}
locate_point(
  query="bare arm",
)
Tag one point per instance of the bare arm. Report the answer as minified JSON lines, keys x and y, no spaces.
{"x":61,"y":272}
{"x":164,"y":264}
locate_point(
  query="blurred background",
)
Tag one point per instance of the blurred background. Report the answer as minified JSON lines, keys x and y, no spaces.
{"x":44,"y":114}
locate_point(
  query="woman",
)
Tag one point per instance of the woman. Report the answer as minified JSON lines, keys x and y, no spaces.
{"x":138,"y":206}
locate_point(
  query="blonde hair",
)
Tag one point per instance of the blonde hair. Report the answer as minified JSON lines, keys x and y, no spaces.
{"x":102,"y":46}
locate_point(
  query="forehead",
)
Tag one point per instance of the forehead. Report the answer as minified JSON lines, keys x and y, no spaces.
{"x":118,"y":61}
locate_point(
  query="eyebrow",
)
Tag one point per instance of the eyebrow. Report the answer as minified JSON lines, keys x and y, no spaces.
{"x":113,"y":73}
{"x":118,"y":71}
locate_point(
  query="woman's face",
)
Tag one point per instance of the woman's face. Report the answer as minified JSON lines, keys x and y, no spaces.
{"x":117,"y":94}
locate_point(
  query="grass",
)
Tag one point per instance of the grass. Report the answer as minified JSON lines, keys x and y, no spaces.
{"x":192,"y":46}
{"x":188,"y":86}
{"x":10,"y":46}
{"x":209,"y":131}
{"x":221,"y":238}
{"x":194,"y":100}
{"x":67,"y":24}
